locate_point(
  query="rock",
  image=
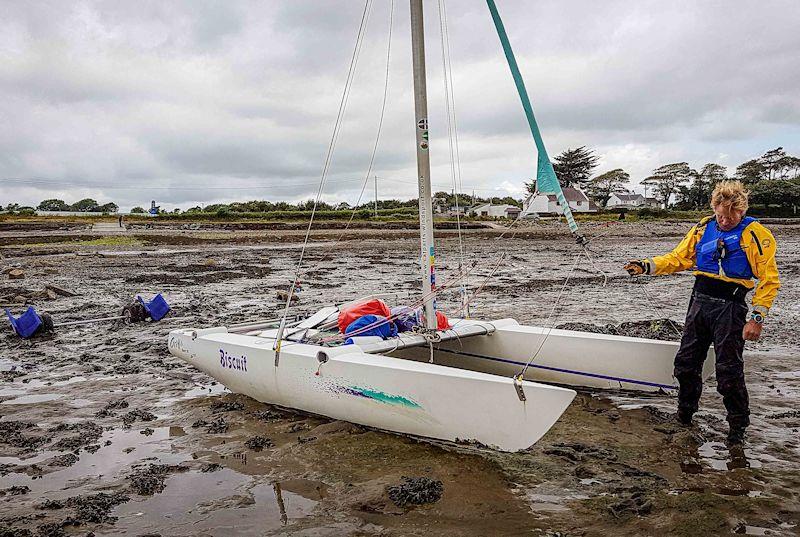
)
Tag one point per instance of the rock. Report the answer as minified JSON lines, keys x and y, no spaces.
{"x":16,"y":274}
{"x":415,"y":491}
{"x":137,"y":415}
{"x":210,"y":467}
{"x":636,"y":504}
{"x":68,"y":459}
{"x":226,"y":406}
{"x":51,"y":529}
{"x":150,"y":480}
{"x":258,"y":443}
{"x":95,"y":508}
{"x":16,"y":490}
{"x":584,"y":472}
{"x":219,"y":425}
{"x":59,"y":290}
{"x":113,"y":405}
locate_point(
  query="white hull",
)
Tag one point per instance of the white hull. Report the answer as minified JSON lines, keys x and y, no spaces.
{"x":379,"y":391}
{"x":567,"y":357}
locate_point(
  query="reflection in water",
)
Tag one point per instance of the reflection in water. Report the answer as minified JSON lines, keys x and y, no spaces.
{"x":279,"y":498}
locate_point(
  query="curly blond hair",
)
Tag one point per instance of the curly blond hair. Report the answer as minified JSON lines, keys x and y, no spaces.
{"x":730,"y":193}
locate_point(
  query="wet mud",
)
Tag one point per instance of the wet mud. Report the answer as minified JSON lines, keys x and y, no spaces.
{"x":102,"y":431}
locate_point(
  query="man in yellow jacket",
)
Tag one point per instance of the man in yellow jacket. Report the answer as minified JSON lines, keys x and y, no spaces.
{"x":727,"y":252}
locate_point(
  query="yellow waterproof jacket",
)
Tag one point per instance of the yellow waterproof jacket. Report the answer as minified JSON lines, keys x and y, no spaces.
{"x":757,"y":242}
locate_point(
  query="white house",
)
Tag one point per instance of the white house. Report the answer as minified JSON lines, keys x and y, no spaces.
{"x":625,"y":201}
{"x":496,"y":211}
{"x":540,"y":203}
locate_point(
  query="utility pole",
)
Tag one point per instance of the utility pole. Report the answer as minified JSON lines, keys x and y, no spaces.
{"x":376,"y":196}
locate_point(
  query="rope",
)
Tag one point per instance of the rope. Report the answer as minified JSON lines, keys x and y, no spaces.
{"x":649,"y":300}
{"x":331,"y":147}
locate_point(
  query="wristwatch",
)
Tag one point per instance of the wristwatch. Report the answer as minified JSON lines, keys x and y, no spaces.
{"x":757,"y":317}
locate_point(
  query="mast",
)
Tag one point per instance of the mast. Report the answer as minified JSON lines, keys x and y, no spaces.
{"x":423,"y":164}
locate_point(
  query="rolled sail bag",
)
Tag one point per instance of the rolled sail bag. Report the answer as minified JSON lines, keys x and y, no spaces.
{"x":371,"y":307}
{"x":371,"y":325}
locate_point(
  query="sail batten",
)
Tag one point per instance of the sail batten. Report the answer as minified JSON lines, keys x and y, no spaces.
{"x":546,"y":180}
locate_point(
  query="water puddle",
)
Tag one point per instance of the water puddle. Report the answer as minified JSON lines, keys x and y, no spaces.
{"x":719,"y":457}
{"x":32,"y":399}
{"x":216,"y":503}
{"x":127,"y":447}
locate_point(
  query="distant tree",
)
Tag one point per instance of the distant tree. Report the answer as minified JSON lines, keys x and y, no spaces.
{"x":574,"y":167}
{"x":85,"y":205}
{"x":176,"y":210}
{"x":53,"y":205}
{"x":602,"y":186}
{"x":137,"y":210}
{"x":696,"y":195}
{"x":11,"y":207}
{"x":772,"y":161}
{"x":750,"y":172}
{"x":109,"y":208}
{"x":195,"y":209}
{"x":666,"y":180}
{"x":792,"y":165}
{"x":781,"y":192}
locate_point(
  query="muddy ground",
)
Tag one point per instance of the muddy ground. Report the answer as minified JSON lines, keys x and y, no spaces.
{"x":103,"y":432}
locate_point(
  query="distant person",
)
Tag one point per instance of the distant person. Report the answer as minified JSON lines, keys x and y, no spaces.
{"x":727,"y":250}
{"x":120,"y":220}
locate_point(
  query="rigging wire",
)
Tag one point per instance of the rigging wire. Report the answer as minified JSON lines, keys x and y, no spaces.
{"x":331,"y":147}
{"x":451,"y":137}
{"x":380,"y":125}
{"x":551,"y":316}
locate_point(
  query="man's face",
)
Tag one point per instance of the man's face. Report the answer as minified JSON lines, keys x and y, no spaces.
{"x":727,"y":217}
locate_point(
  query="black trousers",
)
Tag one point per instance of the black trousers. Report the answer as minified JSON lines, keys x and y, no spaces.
{"x":719,"y":321}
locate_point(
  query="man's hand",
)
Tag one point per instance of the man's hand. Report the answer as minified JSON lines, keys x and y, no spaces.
{"x":752,"y":331}
{"x":635,"y":267}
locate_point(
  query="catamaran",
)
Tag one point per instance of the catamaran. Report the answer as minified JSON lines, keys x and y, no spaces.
{"x":495,"y":382}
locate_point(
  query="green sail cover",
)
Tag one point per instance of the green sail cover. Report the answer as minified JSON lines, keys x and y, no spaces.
{"x":546,"y":180}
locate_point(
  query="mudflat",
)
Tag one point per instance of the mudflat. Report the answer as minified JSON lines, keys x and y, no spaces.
{"x":103,"y":432}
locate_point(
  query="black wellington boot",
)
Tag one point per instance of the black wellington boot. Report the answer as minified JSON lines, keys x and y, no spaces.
{"x":736,"y":436}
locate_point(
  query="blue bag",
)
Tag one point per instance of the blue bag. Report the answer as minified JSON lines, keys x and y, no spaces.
{"x":385,"y":329}
{"x":26,"y":324}
{"x":156,"y":308}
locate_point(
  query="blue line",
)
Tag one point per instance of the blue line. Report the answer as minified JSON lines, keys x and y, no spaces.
{"x":560,"y":370}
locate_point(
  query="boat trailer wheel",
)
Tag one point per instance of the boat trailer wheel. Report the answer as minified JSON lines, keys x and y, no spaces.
{"x":134,"y":313}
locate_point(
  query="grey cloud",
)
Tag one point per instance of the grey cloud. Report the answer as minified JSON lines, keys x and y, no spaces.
{"x":193,"y":95}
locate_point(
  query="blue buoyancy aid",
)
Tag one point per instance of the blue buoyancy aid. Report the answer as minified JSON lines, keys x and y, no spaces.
{"x":720,"y":252}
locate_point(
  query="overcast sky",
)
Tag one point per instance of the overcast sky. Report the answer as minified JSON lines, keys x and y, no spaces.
{"x":200,"y":102}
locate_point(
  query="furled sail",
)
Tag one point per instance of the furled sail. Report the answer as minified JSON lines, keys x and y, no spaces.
{"x":546,"y":180}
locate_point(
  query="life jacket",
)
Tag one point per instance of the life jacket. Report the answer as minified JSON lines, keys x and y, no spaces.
{"x":720,"y":252}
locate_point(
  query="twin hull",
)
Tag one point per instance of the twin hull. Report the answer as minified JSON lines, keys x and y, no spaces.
{"x":468,"y":394}
{"x":379,"y":391}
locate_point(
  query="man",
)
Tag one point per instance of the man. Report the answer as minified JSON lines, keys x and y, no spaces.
{"x":727,"y":251}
